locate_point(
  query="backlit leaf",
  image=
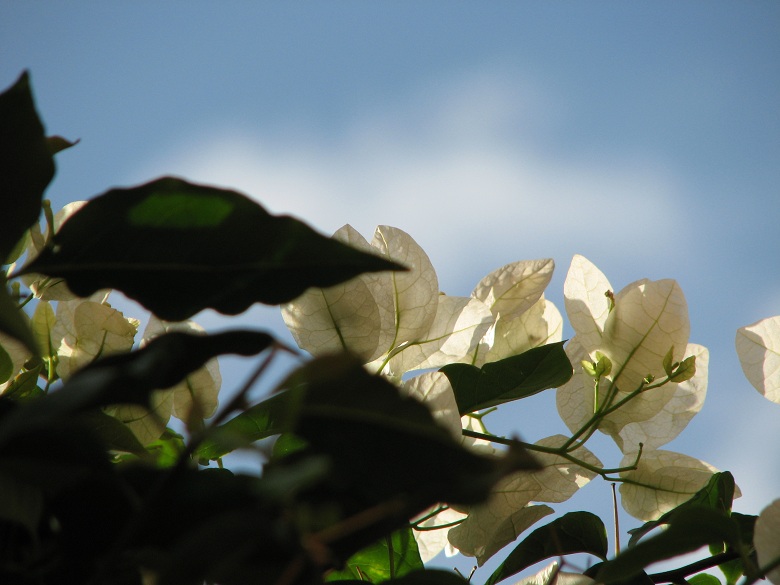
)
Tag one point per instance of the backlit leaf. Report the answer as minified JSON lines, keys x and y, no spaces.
{"x":178,"y":248}
{"x":575,"y":532}
{"x":509,"y":379}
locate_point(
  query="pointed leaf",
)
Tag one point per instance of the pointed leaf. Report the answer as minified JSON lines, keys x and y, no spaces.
{"x":395,"y":555}
{"x":689,"y":529}
{"x":178,"y":248}
{"x":575,"y":532}
{"x":26,"y":165}
{"x":509,"y":379}
{"x":130,"y":378}
{"x":717,"y":494}
{"x":758,"y":348}
{"x":395,"y":445}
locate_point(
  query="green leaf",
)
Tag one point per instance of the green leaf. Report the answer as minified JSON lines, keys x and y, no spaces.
{"x":393,"y":556}
{"x":131,"y":377}
{"x":178,"y":248}
{"x":689,"y":529}
{"x":25,"y":385}
{"x":703,"y":579}
{"x":575,"y":532}
{"x":718,"y":494}
{"x":509,"y":379}
{"x":115,"y":435}
{"x":12,"y":320}
{"x":26,"y":165}
{"x":6,"y":366}
{"x":270,"y":417}
{"x":685,"y":371}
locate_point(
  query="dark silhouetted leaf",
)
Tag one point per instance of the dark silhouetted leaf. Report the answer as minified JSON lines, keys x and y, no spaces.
{"x":688,"y":529}
{"x":129,"y":378}
{"x":718,"y":494}
{"x":178,"y":248}
{"x":26,"y":164}
{"x":575,"y":532}
{"x":509,"y":379}
{"x":12,"y":321}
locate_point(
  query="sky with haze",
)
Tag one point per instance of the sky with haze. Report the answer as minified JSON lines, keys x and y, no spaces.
{"x":644,"y":136}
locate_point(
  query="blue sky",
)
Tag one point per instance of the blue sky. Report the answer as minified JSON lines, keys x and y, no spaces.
{"x":645,"y":136}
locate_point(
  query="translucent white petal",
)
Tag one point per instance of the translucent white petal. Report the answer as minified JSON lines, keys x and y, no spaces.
{"x":457,"y":329}
{"x":649,"y":318}
{"x":512,"y":289}
{"x":342,"y":317}
{"x":758,"y":348}
{"x":197,"y":396}
{"x":542,"y":323}
{"x":491,"y":526}
{"x":662,"y":481}
{"x":434,"y":390}
{"x":551,"y":575}
{"x":412,"y":297}
{"x":85,"y":330}
{"x":147,"y":425}
{"x":587,"y":305}
{"x":431,"y":542}
{"x":766,"y":539}
{"x":681,"y":402}
{"x":50,"y":289}
{"x":560,"y":479}
{"x":574,"y":399}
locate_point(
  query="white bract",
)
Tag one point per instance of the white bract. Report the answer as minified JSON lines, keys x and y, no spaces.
{"x":552,"y":575}
{"x":508,"y":512}
{"x":766,"y":538}
{"x":758,"y":348}
{"x":662,"y":481}
{"x":85,"y":330}
{"x":50,"y":289}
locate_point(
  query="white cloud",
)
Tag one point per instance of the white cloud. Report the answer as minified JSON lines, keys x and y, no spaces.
{"x":451,"y":166}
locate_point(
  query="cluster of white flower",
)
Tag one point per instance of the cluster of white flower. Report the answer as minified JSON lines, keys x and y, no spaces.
{"x":637,"y":378}
{"x":71,"y":332}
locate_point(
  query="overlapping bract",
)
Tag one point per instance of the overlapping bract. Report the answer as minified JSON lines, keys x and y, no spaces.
{"x":642,"y":332}
{"x":758,"y":348}
{"x":77,"y":331}
{"x":399,"y":322}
